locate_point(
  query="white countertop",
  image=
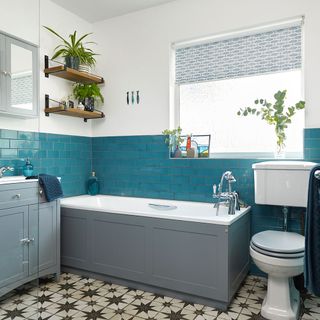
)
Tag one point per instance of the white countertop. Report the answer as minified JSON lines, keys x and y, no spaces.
{"x":15,"y":179}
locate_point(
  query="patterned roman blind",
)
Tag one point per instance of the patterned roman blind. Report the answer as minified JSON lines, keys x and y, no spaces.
{"x":272,"y":51}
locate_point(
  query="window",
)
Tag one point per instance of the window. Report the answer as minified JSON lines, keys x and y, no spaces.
{"x":215,"y":79}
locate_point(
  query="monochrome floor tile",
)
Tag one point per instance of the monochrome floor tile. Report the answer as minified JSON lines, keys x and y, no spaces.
{"x":80,"y":298}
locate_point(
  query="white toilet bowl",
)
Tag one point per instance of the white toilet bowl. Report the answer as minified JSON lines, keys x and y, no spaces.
{"x":281,"y":256}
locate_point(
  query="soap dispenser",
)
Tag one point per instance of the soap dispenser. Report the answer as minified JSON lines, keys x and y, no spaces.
{"x":27,"y":168}
{"x":93,"y":184}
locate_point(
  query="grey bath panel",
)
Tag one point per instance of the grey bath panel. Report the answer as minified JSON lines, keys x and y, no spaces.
{"x":239,"y":259}
{"x":118,"y":247}
{"x":74,"y":250}
{"x":200,"y":261}
{"x":188,"y":260}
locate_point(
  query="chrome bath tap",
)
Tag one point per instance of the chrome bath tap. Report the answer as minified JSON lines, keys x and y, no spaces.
{"x":231,"y":198}
{"x":5,"y":169}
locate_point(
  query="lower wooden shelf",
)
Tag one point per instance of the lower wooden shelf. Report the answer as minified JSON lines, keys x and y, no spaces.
{"x":73,"y":112}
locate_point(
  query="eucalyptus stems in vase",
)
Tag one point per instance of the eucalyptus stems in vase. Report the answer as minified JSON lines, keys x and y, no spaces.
{"x":276,"y":114}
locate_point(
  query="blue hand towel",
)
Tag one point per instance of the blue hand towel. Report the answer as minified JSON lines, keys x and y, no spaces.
{"x":51,"y":187}
{"x":312,"y":236}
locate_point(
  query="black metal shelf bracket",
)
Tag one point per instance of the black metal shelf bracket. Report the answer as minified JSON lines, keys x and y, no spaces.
{"x":46,"y":65}
{"x":46,"y":103}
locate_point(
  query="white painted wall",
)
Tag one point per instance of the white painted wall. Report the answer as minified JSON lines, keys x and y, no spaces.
{"x":21,"y":19}
{"x":136,"y":54}
{"x":63,"y":22}
{"x":26,"y":25}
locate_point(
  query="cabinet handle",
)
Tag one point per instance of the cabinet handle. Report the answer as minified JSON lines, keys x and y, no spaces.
{"x":25,"y":241}
{"x":18,"y":196}
{"x":6,"y":73}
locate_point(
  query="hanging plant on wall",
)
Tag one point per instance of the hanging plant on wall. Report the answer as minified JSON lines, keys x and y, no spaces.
{"x":74,"y":51}
{"x":277,"y":115}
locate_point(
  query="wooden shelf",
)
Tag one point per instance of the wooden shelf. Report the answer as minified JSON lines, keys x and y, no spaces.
{"x":74,"y":113}
{"x":73,"y":75}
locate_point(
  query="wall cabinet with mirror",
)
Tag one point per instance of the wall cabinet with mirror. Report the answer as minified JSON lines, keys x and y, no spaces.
{"x":19,"y":74}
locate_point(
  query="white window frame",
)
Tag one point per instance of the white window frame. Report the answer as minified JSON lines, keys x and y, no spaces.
{"x":174,"y":89}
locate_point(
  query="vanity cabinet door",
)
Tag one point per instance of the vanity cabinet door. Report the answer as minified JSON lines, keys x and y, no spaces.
{"x":34,"y":236}
{"x":3,"y":89}
{"x":48,"y":233}
{"x":13,"y":250}
{"x":21,"y":77}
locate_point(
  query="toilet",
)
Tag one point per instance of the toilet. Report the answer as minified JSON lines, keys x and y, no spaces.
{"x":280,"y":254}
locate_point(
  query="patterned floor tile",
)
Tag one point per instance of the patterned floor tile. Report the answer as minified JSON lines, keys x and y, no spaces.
{"x":17,"y":312}
{"x":182,"y":314}
{"x":145,"y":310}
{"x":80,"y":298}
{"x":141,"y":295}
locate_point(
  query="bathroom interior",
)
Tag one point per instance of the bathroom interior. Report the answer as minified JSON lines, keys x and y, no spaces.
{"x":159,"y":159}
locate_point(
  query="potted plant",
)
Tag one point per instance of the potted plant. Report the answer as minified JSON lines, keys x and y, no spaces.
{"x":74,"y":52}
{"x":87,"y":59}
{"x":277,"y":115}
{"x":173,"y":139}
{"x":87,"y":94}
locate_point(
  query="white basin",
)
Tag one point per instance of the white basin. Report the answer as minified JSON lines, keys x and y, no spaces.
{"x":13,"y":179}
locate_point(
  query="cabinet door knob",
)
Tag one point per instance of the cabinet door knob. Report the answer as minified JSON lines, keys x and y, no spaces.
{"x":6,"y":73}
{"x":18,"y":196}
{"x":41,"y":192}
{"x":25,"y":241}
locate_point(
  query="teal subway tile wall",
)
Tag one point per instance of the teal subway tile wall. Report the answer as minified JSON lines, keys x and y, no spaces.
{"x":68,"y":157}
{"x":312,"y":144}
{"x":139,"y":166}
{"x":15,"y":146}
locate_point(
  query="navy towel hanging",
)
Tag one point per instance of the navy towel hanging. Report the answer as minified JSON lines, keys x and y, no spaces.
{"x":312,"y":234}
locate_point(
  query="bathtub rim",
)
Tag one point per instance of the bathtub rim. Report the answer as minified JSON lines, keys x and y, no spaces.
{"x":215,"y":220}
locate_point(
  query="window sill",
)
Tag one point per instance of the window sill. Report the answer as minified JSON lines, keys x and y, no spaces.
{"x":248,"y":155}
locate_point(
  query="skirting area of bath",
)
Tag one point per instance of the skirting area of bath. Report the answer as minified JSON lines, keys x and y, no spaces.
{"x":177,"y":248}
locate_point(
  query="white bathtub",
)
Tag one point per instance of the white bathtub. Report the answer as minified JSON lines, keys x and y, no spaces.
{"x":155,"y":208}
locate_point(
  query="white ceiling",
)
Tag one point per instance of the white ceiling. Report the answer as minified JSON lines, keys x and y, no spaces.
{"x":96,"y":10}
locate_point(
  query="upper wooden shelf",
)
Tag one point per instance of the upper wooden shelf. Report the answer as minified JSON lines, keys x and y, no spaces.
{"x":64,"y":72}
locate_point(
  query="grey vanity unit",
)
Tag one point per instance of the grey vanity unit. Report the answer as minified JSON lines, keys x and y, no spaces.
{"x":29,"y":235}
{"x":198,"y":262}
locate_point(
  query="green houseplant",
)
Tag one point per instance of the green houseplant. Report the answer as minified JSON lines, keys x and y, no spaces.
{"x":276,"y":114}
{"x":74,"y":51}
{"x":87,"y":94}
{"x":173,"y":139}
